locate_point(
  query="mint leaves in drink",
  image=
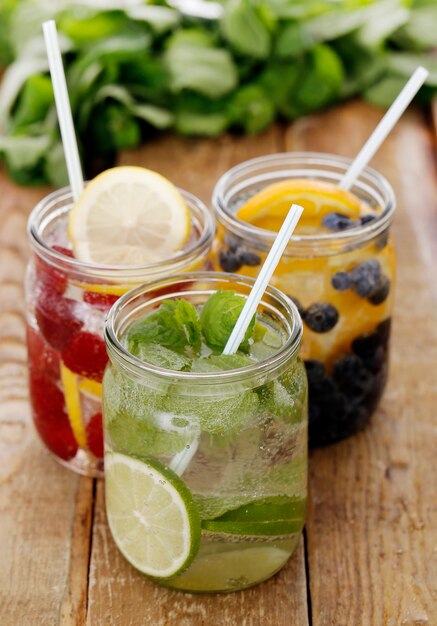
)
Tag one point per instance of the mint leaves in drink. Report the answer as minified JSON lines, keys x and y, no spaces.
{"x":174,"y":325}
{"x":218,"y":318}
{"x":172,"y":336}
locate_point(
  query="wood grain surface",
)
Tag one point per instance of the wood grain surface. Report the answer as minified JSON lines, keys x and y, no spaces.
{"x":372,"y":528}
{"x":372,"y":524}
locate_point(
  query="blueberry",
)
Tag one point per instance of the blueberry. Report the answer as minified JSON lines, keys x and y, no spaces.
{"x":337,"y":221}
{"x":383,"y":330}
{"x":365,"y":345}
{"x":371,"y":351}
{"x":232,"y":242}
{"x":321,"y":317}
{"x":352,"y":377}
{"x":229,"y":261}
{"x":366,"y":277}
{"x":341,"y":281}
{"x":315,"y":371}
{"x":367,"y":218}
{"x":381,"y":291}
{"x":248,"y":258}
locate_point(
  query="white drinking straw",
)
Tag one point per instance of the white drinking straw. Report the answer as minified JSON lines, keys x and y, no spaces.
{"x":384,"y":127}
{"x":272,"y":260}
{"x":63,"y":108}
{"x":181,"y":460}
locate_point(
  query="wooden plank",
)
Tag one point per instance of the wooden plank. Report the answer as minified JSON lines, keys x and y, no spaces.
{"x":45,"y":509}
{"x":371,"y":528}
{"x":117,"y":593}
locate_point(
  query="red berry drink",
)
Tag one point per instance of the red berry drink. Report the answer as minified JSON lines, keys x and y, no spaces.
{"x":68,"y":299}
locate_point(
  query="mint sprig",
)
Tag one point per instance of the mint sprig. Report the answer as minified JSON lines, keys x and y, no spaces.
{"x":174,"y":325}
{"x":218,"y":318}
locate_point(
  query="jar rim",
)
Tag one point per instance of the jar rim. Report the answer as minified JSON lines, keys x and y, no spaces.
{"x":136,"y":366}
{"x":63,"y":198}
{"x":368,"y":180}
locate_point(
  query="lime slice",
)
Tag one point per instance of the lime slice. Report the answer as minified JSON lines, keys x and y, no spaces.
{"x":267,"y":510}
{"x":275,"y":516}
{"x":128,"y":216}
{"x":151,"y":514}
{"x":236,"y":568}
{"x":265,"y":529}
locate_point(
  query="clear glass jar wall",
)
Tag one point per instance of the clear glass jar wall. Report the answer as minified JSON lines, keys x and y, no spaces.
{"x":67,"y":302}
{"x":242,"y":434}
{"x":346,"y":330}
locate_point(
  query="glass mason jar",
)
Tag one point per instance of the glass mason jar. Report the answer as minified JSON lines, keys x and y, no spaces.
{"x":236,"y":440}
{"x":346,"y":330}
{"x":67,"y":302}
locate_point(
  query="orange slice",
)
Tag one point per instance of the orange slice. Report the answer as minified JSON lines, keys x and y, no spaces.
{"x":268,"y":208}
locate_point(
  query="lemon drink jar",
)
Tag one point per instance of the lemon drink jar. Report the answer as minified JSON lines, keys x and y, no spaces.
{"x":205,"y":453}
{"x":339,"y":269}
{"x":69,"y":293}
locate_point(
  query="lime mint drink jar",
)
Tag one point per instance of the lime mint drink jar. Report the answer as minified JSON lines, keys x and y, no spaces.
{"x":67,"y":301}
{"x":205,"y":454}
{"x":339,"y":269}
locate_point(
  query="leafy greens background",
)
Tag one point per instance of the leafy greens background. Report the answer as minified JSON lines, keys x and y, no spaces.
{"x":135,"y":68}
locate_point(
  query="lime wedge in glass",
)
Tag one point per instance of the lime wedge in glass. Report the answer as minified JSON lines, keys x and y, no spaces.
{"x":151,"y":514}
{"x":271,"y":516}
{"x":266,"y":529}
{"x":236,"y":569}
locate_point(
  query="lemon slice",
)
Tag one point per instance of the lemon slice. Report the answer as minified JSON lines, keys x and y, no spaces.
{"x":70,"y":382}
{"x":128,"y":216}
{"x":268,"y":208}
{"x":151,"y":514}
{"x":90,"y":387}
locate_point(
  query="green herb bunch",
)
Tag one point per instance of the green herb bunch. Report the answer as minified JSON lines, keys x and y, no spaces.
{"x":134,"y":69}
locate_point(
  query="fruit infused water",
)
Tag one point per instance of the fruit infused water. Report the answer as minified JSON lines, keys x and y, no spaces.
{"x":339,"y":270}
{"x":205,"y":453}
{"x":85,"y":255}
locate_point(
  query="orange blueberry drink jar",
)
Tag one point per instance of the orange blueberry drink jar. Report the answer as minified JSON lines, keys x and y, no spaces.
{"x":128,"y":226}
{"x":339,"y":269}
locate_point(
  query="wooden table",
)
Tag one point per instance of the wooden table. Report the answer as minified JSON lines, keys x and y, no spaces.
{"x":369,"y":553}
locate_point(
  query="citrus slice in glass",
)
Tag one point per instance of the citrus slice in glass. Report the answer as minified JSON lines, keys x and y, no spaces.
{"x":128,"y":216}
{"x":268,"y":208}
{"x":70,"y":382}
{"x":278,"y":515}
{"x":151,"y":514}
{"x":237,"y":568}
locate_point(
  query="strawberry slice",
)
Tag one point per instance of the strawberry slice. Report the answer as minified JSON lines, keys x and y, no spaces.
{"x":85,"y":354}
{"x":50,"y":418}
{"x":56,"y":317}
{"x":64,"y":251}
{"x":53,"y":278}
{"x":40,"y":356}
{"x":94,"y":433}
{"x":102,"y":301}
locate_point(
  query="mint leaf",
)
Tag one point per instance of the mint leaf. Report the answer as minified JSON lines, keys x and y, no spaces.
{"x":175,"y":325}
{"x":219,"y":316}
{"x":195,"y":63}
